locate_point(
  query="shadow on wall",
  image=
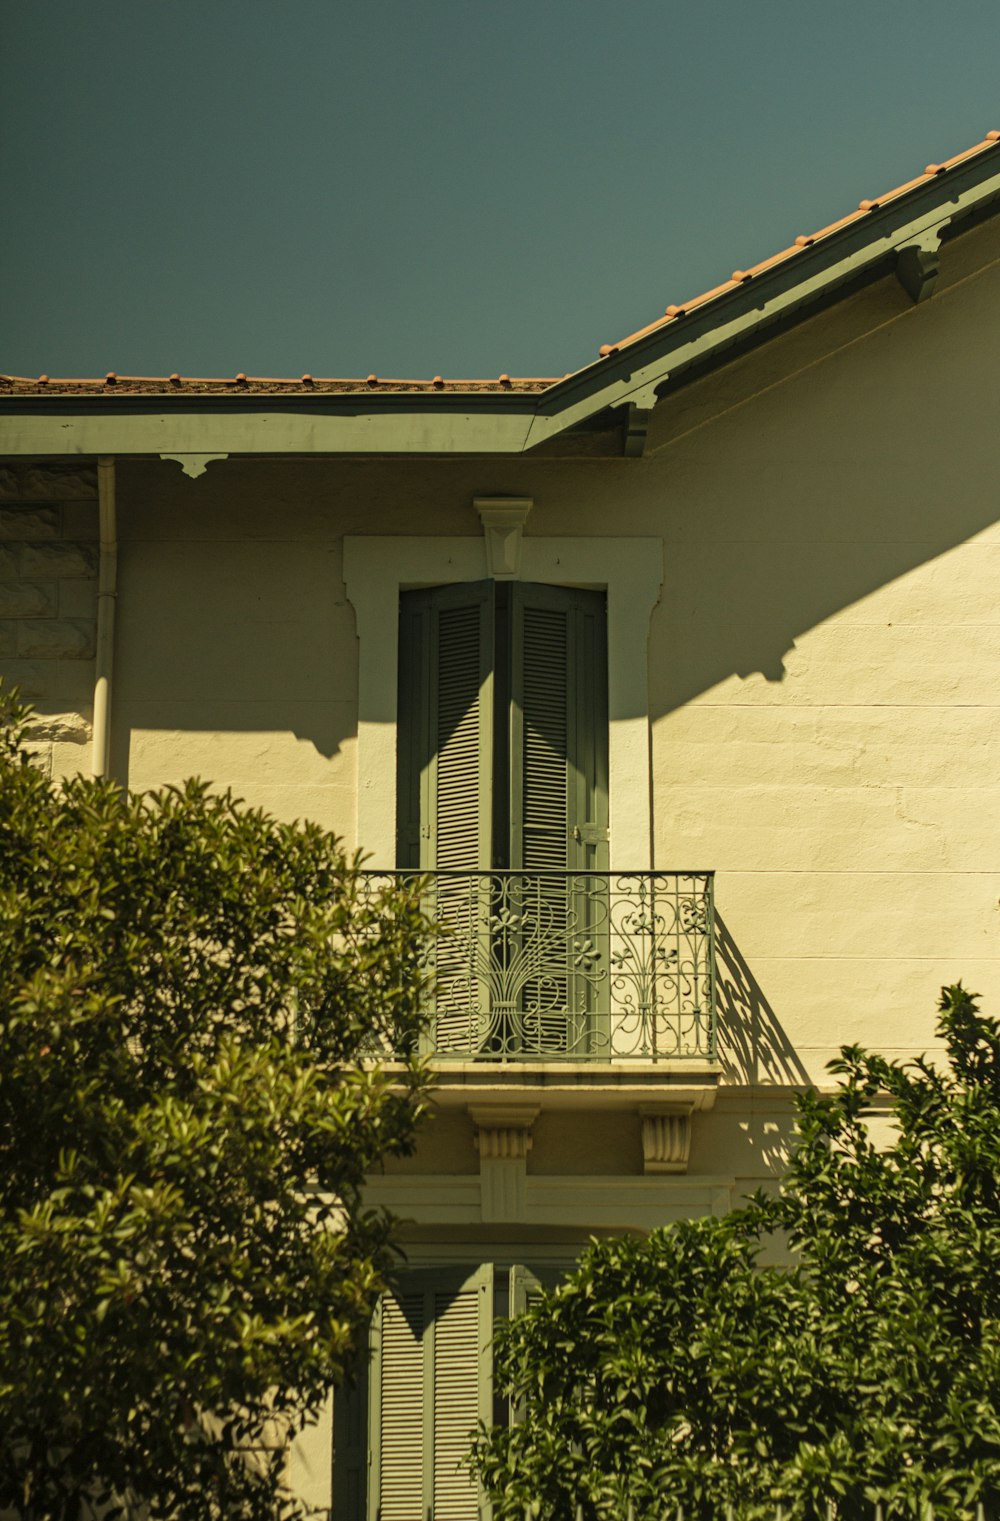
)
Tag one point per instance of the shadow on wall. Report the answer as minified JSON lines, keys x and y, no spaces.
{"x":753,"y":1047}
{"x":774,"y":593}
{"x":789,"y":504}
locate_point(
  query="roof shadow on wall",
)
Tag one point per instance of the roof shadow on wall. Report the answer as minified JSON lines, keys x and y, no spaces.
{"x":244,"y":746}
{"x":738,"y":610}
{"x":844,"y":456}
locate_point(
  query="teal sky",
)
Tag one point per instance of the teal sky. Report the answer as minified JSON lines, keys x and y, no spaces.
{"x":460,"y":187}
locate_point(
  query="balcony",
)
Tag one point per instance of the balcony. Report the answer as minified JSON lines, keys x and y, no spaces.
{"x":574,"y":967}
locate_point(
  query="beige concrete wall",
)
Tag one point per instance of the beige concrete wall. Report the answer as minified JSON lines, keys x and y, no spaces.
{"x":823,"y":666}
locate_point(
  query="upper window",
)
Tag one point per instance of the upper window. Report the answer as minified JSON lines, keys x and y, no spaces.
{"x":503,"y":729}
{"x":503,"y":797}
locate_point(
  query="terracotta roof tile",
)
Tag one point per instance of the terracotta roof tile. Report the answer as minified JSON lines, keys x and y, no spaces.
{"x":249,"y":385}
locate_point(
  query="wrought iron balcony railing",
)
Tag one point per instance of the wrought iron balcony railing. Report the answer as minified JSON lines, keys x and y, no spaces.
{"x":574,"y":966}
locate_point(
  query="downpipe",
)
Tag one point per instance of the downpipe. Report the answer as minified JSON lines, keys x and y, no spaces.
{"x":107,"y":596}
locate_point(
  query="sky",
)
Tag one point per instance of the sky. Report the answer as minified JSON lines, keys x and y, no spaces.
{"x":454,"y":187}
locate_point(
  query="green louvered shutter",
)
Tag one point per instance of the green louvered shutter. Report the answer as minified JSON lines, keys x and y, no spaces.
{"x":396,"y":1417}
{"x":559,"y":730}
{"x":444,"y":795}
{"x":431,"y":1384}
{"x":525,"y":1289}
{"x":463,"y":1330}
{"x":558,"y":808}
{"x":557,"y":727}
{"x":527,"y":665}
{"x":350,"y":1437}
{"x":444,"y":727}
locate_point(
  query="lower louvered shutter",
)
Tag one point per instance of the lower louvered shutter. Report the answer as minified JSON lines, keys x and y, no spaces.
{"x":431,"y":1384}
{"x":400,"y":1393}
{"x":421,"y":1396}
{"x":526,"y":1288}
{"x":460,"y":1374}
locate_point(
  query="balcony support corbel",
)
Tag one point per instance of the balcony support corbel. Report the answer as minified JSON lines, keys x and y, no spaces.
{"x":503,"y":1140}
{"x":666,"y":1137}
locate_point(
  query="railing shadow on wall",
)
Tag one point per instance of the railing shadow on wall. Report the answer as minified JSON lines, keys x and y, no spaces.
{"x":752,"y":1044}
{"x":753,"y":1047}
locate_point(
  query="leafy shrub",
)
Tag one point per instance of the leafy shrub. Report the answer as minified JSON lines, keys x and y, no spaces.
{"x":679,"y":1370}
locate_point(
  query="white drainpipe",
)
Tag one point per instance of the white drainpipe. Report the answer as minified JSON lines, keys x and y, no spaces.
{"x":107,"y":593}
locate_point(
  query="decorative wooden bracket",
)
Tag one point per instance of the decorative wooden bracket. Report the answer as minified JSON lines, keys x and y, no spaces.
{"x":194,"y":464}
{"x":917,"y":266}
{"x":636,"y":427}
{"x":503,"y":518}
{"x":666,"y":1137}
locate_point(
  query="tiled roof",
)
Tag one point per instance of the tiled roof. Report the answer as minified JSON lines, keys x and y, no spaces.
{"x":258,"y":385}
{"x":112,"y":385}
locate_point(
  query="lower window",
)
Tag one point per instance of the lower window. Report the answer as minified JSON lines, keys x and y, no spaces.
{"x":402,"y":1433}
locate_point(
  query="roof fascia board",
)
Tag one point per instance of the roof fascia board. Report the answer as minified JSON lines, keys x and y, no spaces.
{"x":263,"y":432}
{"x":102,"y":401}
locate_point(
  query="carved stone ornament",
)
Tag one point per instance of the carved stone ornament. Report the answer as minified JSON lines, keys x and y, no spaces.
{"x":666,"y":1137}
{"x":503,"y":1135}
{"x":503,"y":518}
{"x":503,"y":1140}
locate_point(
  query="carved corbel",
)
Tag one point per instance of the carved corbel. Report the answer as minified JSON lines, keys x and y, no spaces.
{"x":666,"y":1137}
{"x":503,"y":1140}
{"x":503,"y":519}
{"x":917,"y":266}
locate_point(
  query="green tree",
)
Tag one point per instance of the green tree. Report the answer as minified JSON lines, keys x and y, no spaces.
{"x":188,"y":995}
{"x":679,"y":1370}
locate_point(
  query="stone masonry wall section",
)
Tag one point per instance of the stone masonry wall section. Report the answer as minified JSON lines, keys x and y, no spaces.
{"x":48,"y":603}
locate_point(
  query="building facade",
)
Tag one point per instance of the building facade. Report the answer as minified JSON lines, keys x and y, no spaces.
{"x":678,"y":676}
